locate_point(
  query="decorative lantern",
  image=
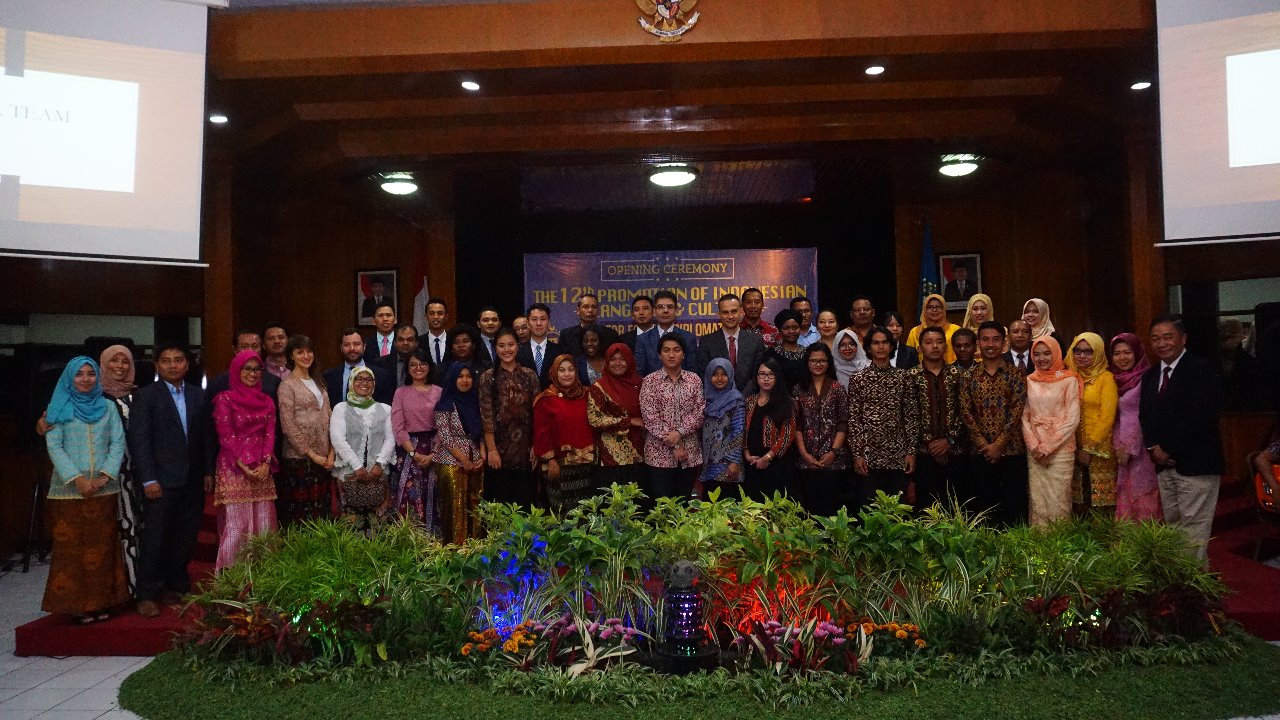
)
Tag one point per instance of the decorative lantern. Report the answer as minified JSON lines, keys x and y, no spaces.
{"x":685,"y":645}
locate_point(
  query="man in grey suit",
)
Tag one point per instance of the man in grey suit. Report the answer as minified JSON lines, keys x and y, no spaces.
{"x":169,"y":450}
{"x":666,"y":307}
{"x":744,"y":350}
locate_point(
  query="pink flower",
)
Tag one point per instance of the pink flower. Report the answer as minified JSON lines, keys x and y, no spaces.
{"x":837,"y":641}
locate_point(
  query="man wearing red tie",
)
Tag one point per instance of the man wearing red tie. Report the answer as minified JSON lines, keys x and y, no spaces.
{"x":383,"y":342}
{"x":1179,"y":415}
{"x":743,"y":350}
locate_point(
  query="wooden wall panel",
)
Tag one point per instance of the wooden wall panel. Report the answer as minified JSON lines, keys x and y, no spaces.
{"x":1031,"y":233}
{"x":297,"y":260}
{"x":93,"y":288}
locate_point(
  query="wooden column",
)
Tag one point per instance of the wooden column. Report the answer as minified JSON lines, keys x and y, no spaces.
{"x":219,"y":252}
{"x":1145,"y":264}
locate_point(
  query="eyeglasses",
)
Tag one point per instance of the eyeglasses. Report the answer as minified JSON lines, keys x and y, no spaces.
{"x":251,"y":370}
{"x":363,"y":378}
{"x":1082,"y":351}
{"x":764,"y":374}
{"x":817,"y":361}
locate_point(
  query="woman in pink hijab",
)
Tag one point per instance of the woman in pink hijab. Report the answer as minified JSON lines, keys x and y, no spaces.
{"x":244,"y":492}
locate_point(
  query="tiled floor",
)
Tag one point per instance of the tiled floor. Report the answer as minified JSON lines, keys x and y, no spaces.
{"x":74,"y":688}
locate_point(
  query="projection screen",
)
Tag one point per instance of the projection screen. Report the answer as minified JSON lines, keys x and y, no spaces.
{"x":101,"y":128}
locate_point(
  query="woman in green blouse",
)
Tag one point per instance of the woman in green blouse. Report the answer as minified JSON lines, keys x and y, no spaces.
{"x":86,"y":445}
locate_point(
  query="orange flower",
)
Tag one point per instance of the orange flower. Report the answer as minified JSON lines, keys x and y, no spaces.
{"x":868,"y":628}
{"x":466,"y":649}
{"x":895,"y":627}
{"x":901,"y":634}
{"x":921,"y":643}
{"x":511,"y":646}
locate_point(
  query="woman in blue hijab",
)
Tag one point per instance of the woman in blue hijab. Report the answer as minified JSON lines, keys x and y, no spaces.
{"x":86,"y":445}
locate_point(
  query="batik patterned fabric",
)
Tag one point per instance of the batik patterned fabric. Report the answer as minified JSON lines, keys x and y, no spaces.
{"x":992,"y":405}
{"x":884,"y":422}
{"x":819,"y":419}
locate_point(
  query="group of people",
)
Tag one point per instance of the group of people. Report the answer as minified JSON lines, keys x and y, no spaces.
{"x":1008,"y":421}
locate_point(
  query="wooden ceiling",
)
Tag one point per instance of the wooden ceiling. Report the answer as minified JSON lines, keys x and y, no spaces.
{"x":341,"y":93}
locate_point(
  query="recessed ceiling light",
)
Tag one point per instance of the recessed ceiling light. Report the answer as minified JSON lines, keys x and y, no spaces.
{"x":218,"y":119}
{"x":399,"y":183}
{"x":471,"y":85}
{"x":875,"y":70}
{"x":672,"y":175}
{"x":958,"y":165}
{"x":1140,"y":85}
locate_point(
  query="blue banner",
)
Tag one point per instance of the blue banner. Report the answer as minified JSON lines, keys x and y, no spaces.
{"x":697,"y":277}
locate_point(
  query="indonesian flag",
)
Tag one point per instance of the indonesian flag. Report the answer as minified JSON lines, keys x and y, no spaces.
{"x":420,"y":296}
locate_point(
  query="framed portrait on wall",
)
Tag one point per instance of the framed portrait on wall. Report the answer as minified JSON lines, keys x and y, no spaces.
{"x":374,"y":288}
{"x":961,"y":277}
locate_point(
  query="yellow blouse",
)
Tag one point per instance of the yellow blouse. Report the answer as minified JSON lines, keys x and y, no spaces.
{"x":913,"y":340}
{"x":1098,"y":415}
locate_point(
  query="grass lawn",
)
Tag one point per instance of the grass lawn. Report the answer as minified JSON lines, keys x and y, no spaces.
{"x":1248,"y":685}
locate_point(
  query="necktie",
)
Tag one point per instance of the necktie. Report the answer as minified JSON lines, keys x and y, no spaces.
{"x":537,"y":359}
{"x":437,"y":351}
{"x":1022,"y":362}
{"x":384,"y":347}
{"x":182,"y":407}
{"x":1164,"y":382}
{"x":733,"y":351}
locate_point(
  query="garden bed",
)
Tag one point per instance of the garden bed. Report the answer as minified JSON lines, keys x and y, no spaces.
{"x":886,"y":610}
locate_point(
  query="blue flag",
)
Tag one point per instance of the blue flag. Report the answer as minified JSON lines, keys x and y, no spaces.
{"x":929,"y":280}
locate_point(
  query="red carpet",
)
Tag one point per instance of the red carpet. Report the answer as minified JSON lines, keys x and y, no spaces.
{"x":1254,"y":601}
{"x":127,"y":632}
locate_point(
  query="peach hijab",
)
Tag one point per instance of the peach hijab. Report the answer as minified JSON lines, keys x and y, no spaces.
{"x":1057,"y":370}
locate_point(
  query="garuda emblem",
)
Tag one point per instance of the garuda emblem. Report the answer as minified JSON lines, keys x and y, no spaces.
{"x":668,"y":19}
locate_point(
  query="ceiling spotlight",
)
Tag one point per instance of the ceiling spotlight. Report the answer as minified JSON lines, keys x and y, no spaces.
{"x":874,"y":70}
{"x":1140,"y":85}
{"x":218,"y":118}
{"x":672,"y":175}
{"x":958,"y":165}
{"x":399,"y":183}
{"x":471,"y":85}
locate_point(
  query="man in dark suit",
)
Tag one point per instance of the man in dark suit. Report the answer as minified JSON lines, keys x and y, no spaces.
{"x":376,"y":298}
{"x":641,"y":318}
{"x":666,"y":308}
{"x":960,"y":289}
{"x":744,"y":350}
{"x":489,"y":322}
{"x":538,"y":351}
{"x":588,"y":314}
{"x":335,"y":379}
{"x":383,"y":342}
{"x":169,"y":450}
{"x":1178,"y":410}
{"x":396,"y":364}
{"x":1019,"y":353}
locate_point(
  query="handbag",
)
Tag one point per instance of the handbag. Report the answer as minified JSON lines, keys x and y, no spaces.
{"x":362,"y":497}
